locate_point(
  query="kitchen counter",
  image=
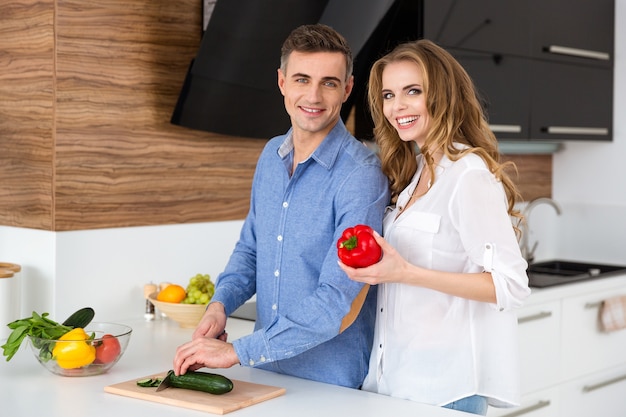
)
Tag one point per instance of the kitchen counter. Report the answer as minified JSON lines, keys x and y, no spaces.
{"x":27,"y":389}
{"x":541,"y":295}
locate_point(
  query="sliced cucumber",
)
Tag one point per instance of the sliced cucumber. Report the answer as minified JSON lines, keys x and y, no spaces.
{"x":149,"y":382}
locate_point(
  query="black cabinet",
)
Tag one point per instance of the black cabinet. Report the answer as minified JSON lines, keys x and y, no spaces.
{"x":499,"y":26}
{"x":543,"y":67}
{"x":503,"y":82}
{"x":579,"y":32}
{"x":571,"y":102}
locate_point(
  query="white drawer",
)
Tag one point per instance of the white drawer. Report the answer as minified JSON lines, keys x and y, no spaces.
{"x":539,"y":344}
{"x":601,"y":394}
{"x":586,"y":348}
{"x":543,"y":403}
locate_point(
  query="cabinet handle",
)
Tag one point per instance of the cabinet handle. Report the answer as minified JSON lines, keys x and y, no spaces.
{"x":506,"y":128}
{"x":538,"y":316}
{"x":581,"y":53}
{"x":529,"y":409}
{"x":589,"y":388}
{"x":593,"y":305}
{"x":570,"y":130}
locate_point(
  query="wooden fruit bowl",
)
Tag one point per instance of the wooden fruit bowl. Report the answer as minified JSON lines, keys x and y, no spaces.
{"x":186,"y":315}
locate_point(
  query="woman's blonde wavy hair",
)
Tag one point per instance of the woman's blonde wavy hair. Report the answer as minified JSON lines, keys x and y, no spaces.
{"x":456,"y":115}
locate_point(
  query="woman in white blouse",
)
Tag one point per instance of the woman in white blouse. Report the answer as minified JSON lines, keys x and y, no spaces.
{"x":451,"y":272}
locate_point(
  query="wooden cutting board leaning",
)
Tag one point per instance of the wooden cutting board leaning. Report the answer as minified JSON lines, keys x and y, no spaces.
{"x":244,"y":394}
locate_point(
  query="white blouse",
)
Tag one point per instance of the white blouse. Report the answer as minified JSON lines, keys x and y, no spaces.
{"x":437,"y":348}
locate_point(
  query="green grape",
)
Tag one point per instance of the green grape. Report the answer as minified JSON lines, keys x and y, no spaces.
{"x":200,"y":289}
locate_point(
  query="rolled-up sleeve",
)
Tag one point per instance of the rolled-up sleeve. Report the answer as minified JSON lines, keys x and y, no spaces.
{"x":488,"y":235}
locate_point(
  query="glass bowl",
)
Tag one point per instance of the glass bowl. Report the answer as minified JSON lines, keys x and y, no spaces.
{"x":109,"y":340}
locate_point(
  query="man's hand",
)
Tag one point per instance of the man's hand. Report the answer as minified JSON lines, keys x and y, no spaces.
{"x":204,"y":352}
{"x":212,"y":324}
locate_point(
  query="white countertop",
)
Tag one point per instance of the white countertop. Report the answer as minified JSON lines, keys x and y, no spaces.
{"x":540,"y":295}
{"x":27,"y":389}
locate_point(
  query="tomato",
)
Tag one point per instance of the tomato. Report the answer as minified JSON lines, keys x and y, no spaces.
{"x":108,"y":350}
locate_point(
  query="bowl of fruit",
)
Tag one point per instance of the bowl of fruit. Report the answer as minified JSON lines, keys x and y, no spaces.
{"x":184,"y":305}
{"x":76,"y":347}
{"x":82,"y":352}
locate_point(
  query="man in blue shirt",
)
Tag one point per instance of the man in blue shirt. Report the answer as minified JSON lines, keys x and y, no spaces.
{"x":309,"y":185}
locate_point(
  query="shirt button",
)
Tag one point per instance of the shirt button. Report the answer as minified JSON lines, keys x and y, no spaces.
{"x":285,"y":204}
{"x":381,"y":309}
{"x":251,"y":362}
{"x":262,"y":358}
{"x":380,"y":346}
{"x":276,"y":273}
{"x":280,"y":238}
{"x":274,"y":307}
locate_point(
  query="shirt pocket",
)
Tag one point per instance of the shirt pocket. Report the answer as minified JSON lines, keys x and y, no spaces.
{"x":416,"y":232}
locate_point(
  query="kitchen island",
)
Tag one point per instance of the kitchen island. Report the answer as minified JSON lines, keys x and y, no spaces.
{"x":27,"y":389}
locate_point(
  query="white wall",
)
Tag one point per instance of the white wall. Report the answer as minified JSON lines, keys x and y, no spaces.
{"x":107,"y":268}
{"x":589,"y":182}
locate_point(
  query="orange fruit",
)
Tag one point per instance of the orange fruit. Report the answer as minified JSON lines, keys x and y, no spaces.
{"x":172,"y":294}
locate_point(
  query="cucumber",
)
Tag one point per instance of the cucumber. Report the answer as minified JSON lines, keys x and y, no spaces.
{"x":80,"y":318}
{"x":149,"y":382}
{"x":202,"y":381}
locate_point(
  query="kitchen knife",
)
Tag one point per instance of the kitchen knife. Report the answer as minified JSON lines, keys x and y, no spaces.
{"x":165,"y":383}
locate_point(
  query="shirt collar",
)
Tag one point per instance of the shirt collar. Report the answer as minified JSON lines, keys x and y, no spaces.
{"x":327,"y":152}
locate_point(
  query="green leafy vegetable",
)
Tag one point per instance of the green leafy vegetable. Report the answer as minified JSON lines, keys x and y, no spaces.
{"x":38,"y":326}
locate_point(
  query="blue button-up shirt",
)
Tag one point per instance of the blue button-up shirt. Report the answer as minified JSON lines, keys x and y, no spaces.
{"x":287,"y":255}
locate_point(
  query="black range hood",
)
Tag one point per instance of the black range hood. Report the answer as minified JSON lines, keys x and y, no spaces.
{"x":231,"y":85}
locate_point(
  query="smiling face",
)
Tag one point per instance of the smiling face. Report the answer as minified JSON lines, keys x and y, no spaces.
{"x":314,"y":87}
{"x":404,"y":101}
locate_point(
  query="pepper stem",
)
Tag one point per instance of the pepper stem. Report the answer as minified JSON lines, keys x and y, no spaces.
{"x":349,"y":243}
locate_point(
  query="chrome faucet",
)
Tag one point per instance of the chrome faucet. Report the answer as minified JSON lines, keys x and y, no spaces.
{"x":528,"y":252}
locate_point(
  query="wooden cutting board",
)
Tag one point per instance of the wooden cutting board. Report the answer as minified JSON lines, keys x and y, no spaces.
{"x":244,"y":394}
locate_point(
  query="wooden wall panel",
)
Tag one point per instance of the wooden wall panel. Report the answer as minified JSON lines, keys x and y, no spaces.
{"x":26,"y":113}
{"x":534,"y":175}
{"x":119,"y":160}
{"x":86,"y":93}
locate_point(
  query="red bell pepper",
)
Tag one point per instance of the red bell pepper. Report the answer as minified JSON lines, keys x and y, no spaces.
{"x":357,"y":247}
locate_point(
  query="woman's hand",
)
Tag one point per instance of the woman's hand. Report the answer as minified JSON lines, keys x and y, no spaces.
{"x":391,"y":268}
{"x":394,"y":268}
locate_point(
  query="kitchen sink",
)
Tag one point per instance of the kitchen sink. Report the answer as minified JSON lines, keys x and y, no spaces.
{"x":559,"y":272}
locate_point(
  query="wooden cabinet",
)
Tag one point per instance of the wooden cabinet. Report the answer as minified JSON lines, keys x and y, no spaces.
{"x":544,"y":68}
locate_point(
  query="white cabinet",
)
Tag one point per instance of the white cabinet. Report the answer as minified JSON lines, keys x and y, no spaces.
{"x":540,"y":345}
{"x":544,"y":403}
{"x":569,"y":366}
{"x":585,"y":347}
{"x":599,"y":394}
